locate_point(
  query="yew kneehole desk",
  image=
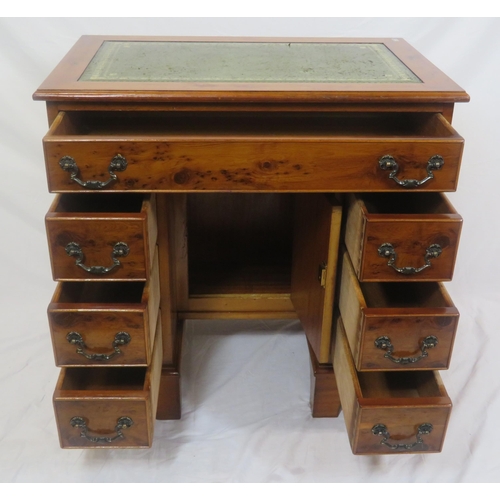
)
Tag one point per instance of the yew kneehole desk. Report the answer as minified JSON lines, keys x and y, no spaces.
{"x":252,"y":178}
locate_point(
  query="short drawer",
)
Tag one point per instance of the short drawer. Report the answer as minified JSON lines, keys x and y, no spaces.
{"x":390,"y":412}
{"x":217,"y":151}
{"x":402,"y":236}
{"x":397,"y":326}
{"x":95,"y":237}
{"x":108,"y":407}
{"x":104,"y":323}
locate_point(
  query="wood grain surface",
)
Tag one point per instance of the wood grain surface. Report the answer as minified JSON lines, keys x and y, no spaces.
{"x":316,"y":241}
{"x":285,"y":153}
{"x":411,"y":222}
{"x":102,"y":395}
{"x":401,"y":401}
{"x":98,"y":311}
{"x":63,"y":83}
{"x":97,"y":232}
{"x":405,"y":312}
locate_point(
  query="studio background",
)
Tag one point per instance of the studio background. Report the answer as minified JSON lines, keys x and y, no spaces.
{"x":246,"y":414}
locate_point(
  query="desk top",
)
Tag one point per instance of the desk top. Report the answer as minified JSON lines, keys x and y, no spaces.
{"x":162,"y":69}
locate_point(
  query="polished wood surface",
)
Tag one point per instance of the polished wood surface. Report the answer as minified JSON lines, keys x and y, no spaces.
{"x":102,"y":395}
{"x":169,"y":404}
{"x":63,"y":83}
{"x":232,"y":255}
{"x":258,"y":152}
{"x":315,"y":250}
{"x":100,"y":310}
{"x":411,"y":222}
{"x":167,"y":276}
{"x":96,"y":224}
{"x":443,"y":108}
{"x":401,"y":401}
{"x":239,"y":244}
{"x":325,"y":401}
{"x":236,"y":185}
{"x":406,"y":313}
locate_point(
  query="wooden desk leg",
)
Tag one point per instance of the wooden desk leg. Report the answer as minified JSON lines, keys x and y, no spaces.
{"x":325,"y":401}
{"x":169,"y":399}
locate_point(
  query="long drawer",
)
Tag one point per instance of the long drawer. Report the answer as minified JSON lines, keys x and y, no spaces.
{"x":397,"y":326}
{"x":104,"y":323}
{"x":156,"y":151}
{"x":109,"y":407}
{"x":95,"y":237}
{"x":390,"y":412}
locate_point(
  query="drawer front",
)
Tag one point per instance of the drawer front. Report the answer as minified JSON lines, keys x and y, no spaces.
{"x":392,"y":246}
{"x":101,"y":246}
{"x":108,"y":407}
{"x":97,"y":338}
{"x":388,"y":430}
{"x":397,"y":326}
{"x":101,"y":424}
{"x":259,"y":159}
{"x":405,"y":413}
{"x":97,"y":333}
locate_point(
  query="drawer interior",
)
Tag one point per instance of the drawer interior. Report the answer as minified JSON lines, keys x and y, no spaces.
{"x":130,"y":292}
{"x":404,"y":295}
{"x":257,"y":124}
{"x":414,"y":384}
{"x":104,"y":379}
{"x":407,"y":203}
{"x":239,"y":244}
{"x":111,"y":203}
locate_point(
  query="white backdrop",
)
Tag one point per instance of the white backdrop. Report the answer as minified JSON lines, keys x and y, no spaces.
{"x":245,"y":415}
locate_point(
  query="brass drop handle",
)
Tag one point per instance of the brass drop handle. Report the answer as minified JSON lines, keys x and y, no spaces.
{"x":117,"y":164}
{"x":381,"y":430}
{"x":385,"y":344}
{"x":388,"y":162}
{"x":387,"y":250}
{"x":121,"y":423}
{"x":121,"y":338}
{"x":120,"y":249}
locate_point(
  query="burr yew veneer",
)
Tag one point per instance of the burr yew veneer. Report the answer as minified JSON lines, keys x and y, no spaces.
{"x":252,"y":178}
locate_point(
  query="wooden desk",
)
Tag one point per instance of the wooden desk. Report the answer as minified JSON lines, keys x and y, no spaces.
{"x":251,"y":178}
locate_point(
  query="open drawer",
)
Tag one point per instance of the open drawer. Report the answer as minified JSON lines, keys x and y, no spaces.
{"x":95,"y":237}
{"x":217,"y":151}
{"x":109,"y":407}
{"x":397,"y":326}
{"x":104,"y":323}
{"x":390,"y":412}
{"x":402,"y":236}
